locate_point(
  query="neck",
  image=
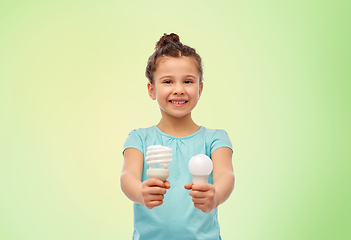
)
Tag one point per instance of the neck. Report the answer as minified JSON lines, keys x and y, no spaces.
{"x":178,"y":127}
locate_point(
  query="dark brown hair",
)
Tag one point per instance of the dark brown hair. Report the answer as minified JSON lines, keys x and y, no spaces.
{"x":170,"y":46}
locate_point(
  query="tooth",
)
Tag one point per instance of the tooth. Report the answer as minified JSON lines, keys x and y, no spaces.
{"x":178,"y":102}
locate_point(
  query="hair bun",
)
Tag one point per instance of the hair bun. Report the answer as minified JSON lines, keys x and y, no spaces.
{"x":167,"y":39}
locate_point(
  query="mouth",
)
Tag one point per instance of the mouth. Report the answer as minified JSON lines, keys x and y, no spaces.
{"x":178,"y":102}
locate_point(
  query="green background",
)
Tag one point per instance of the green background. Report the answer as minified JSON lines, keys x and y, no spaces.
{"x":72,"y":86}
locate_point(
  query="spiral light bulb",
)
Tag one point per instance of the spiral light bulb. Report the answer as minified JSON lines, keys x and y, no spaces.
{"x":200,"y":166}
{"x":158,"y":155}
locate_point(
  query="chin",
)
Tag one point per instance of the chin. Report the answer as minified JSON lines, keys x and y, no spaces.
{"x":175,"y":115}
{"x":180,"y":115}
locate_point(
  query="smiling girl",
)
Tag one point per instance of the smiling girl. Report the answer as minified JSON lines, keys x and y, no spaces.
{"x":187,"y":210}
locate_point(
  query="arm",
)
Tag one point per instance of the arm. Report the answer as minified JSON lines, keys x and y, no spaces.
{"x":223,"y":174}
{"x":131,"y":174}
{"x":148,"y":193}
{"x":207,"y":197}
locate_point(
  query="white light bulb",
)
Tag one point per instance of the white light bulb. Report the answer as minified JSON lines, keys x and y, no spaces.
{"x":158,"y":155}
{"x":200,"y":166}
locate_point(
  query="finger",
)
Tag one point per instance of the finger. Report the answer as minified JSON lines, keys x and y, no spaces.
{"x":152,"y":198}
{"x":154,"y":190}
{"x":153,"y":204}
{"x":167,"y":184}
{"x":202,"y":207}
{"x":198,"y":200}
{"x":188,"y":186}
{"x":157,"y":191}
{"x":155,"y":182}
{"x":202,"y":186}
{"x":158,"y":197}
{"x":198,"y":194}
{"x":198,"y":205}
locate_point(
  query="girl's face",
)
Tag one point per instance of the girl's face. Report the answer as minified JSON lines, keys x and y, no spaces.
{"x":176,"y":86}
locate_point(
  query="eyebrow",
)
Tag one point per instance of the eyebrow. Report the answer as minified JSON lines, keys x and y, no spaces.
{"x":166,"y":76}
{"x":192,"y":76}
{"x":171,"y":76}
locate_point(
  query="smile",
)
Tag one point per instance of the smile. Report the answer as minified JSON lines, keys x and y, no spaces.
{"x":178,"y":102}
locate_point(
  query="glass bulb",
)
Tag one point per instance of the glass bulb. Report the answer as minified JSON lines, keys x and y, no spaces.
{"x":158,"y":155}
{"x":201,"y":165}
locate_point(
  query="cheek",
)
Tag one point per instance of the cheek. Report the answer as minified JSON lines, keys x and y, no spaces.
{"x":161,"y":94}
{"x":195,"y":93}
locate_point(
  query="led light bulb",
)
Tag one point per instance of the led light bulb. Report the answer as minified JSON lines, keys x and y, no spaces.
{"x":158,"y":155}
{"x":200,"y":166}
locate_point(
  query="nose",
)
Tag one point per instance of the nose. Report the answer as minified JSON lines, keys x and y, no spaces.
{"x":178,"y":89}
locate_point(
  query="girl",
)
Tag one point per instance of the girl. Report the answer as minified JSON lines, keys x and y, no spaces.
{"x":164,"y":209}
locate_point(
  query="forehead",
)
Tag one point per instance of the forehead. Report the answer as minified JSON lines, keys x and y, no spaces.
{"x":177,"y":66}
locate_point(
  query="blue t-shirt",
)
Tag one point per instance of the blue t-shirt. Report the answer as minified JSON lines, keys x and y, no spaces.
{"x":176,"y":218}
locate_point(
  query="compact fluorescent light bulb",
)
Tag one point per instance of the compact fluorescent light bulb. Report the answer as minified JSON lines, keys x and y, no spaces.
{"x":200,"y":166}
{"x":158,"y":155}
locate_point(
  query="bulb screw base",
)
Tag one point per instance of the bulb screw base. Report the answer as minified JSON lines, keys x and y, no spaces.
{"x":159,"y":173}
{"x":200,"y":179}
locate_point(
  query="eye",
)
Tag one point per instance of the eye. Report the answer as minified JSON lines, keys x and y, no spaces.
{"x":188,"y":81}
{"x":167,"y":81}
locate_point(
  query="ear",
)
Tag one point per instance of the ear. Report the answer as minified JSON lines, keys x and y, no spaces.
{"x":151,"y":91}
{"x":200,"y":89}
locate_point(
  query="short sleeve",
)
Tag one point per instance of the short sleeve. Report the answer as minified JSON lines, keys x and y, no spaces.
{"x":220,"y":139}
{"x":133,"y":141}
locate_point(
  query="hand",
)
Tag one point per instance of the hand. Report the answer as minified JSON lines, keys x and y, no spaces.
{"x":204,"y":196}
{"x":153,"y":191}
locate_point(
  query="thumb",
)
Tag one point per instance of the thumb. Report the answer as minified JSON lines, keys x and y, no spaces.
{"x":167,"y":184}
{"x":188,"y":186}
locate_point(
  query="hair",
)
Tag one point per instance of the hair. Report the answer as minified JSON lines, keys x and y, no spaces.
{"x":170,"y":46}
